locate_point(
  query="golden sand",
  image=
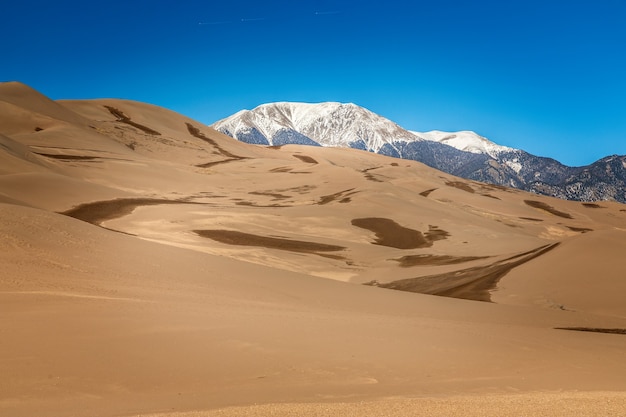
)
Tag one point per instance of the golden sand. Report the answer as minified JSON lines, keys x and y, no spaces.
{"x":149,"y":264}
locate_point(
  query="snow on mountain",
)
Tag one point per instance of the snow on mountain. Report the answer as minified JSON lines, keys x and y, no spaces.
{"x":467,"y":141}
{"x":339,"y":125}
{"x":327,"y":124}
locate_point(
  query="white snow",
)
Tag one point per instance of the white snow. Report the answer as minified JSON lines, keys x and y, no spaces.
{"x":329,"y":124}
{"x":465,"y":140}
{"x":339,"y":124}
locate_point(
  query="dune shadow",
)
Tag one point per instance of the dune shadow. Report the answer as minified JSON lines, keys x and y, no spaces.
{"x":371,"y":177}
{"x":593,"y":330}
{"x":461,"y":186}
{"x":305,"y":158}
{"x":274,"y":195}
{"x":234,"y":237}
{"x":391,"y":234}
{"x":195,"y":132}
{"x":341,"y":196}
{"x":426,"y":193}
{"x":123,"y":118}
{"x":592,"y":205}
{"x":547,"y":208}
{"x":470,"y":283}
{"x":99,"y":211}
{"x":579,"y":229}
{"x":435,"y":260}
{"x":65,"y":157}
{"x":214,"y":163}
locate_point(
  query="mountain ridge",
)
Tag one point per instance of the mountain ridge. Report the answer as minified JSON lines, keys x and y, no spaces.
{"x":464,"y":153}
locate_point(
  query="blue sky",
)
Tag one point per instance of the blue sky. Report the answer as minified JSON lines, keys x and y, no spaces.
{"x":545,"y":76}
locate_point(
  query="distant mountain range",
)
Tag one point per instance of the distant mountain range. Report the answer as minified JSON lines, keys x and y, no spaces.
{"x":464,"y":154}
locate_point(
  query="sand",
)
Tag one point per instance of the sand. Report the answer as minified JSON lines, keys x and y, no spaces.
{"x":610,"y":404}
{"x":187,"y":274}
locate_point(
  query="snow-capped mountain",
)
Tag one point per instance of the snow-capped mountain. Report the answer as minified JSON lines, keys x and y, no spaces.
{"x":339,"y":125}
{"x":465,"y":154}
{"x":326,"y":124}
{"x":467,"y":141}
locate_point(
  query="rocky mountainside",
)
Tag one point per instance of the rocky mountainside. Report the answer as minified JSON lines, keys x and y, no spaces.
{"x":465,"y":154}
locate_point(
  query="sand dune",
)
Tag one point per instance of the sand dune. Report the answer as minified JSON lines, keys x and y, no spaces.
{"x":152,"y":266}
{"x":574,"y":265}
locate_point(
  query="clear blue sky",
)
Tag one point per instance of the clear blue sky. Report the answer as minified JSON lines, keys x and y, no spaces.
{"x":545,"y":76}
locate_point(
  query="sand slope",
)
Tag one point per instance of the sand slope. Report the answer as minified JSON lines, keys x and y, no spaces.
{"x":152,"y":265}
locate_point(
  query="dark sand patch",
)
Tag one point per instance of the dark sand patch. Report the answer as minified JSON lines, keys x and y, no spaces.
{"x":252,"y":204}
{"x":579,"y":229}
{"x":211,"y":164}
{"x":496,"y":187}
{"x":532,"y":219}
{"x":435,"y":233}
{"x":208,"y":194}
{"x":335,"y":257}
{"x":369,"y":176}
{"x":461,"y":186}
{"x":471,"y":283}
{"x":281,"y":169}
{"x":195,"y":132}
{"x":506,"y":223}
{"x":593,"y":329}
{"x":341,"y":195}
{"x":233,"y":237}
{"x":100,"y":211}
{"x":302,"y":189}
{"x":491,"y":196}
{"x":275,"y":196}
{"x":69,"y":157}
{"x":306,"y":159}
{"x":436,"y":260}
{"x":427,"y":192}
{"x":391,"y":234}
{"x":548,"y":208}
{"x":67,"y":147}
{"x":123,"y":118}
{"x":592,"y":205}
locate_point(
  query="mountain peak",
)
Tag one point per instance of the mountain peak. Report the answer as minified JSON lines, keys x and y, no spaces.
{"x":325,"y":124}
{"x":340,"y":124}
{"x":467,"y":141}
